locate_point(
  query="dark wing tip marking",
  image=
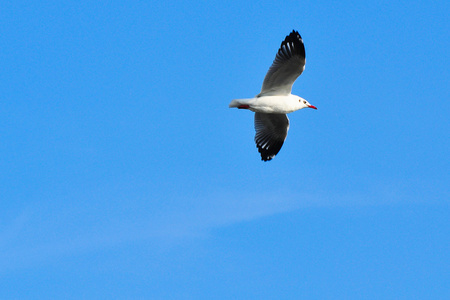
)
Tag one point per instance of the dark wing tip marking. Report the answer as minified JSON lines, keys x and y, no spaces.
{"x":269,"y":152}
{"x":292,"y":46}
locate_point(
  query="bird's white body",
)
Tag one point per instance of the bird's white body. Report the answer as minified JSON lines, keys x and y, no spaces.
{"x":272,"y":104}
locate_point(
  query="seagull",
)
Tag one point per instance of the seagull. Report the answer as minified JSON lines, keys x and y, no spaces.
{"x":275,"y":99}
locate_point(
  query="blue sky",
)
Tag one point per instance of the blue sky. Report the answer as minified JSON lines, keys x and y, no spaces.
{"x":126,"y":175}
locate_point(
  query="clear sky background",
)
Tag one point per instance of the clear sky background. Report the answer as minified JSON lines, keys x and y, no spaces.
{"x":124,"y":174}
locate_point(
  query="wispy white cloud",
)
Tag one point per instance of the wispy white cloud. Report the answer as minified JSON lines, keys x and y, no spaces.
{"x":21,"y":246}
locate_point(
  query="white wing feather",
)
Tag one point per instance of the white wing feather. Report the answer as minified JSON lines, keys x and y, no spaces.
{"x":289,"y":63}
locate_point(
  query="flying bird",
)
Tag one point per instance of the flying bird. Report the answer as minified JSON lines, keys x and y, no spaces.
{"x":275,"y":99}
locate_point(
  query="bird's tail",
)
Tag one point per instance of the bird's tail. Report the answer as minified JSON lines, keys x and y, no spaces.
{"x":241,"y":103}
{"x":234,"y":103}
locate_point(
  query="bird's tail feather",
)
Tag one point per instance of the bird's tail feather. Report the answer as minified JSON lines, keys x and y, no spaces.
{"x":234,"y":103}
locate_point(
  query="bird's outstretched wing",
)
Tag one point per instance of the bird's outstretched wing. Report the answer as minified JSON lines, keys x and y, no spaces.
{"x":289,"y":63}
{"x":271,"y":131}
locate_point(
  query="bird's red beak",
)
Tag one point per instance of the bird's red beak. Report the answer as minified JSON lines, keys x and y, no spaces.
{"x":312,"y":106}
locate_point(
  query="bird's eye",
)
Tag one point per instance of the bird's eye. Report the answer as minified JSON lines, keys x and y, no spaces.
{"x":304,"y":102}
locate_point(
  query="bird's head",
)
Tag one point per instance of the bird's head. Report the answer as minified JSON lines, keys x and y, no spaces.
{"x":303,"y":103}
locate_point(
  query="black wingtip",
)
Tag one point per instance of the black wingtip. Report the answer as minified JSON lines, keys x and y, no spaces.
{"x":295,"y":33}
{"x":295,"y":41}
{"x":268,"y":153}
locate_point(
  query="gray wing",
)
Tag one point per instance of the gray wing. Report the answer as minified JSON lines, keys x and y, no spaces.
{"x":271,"y":131}
{"x":289,"y":63}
